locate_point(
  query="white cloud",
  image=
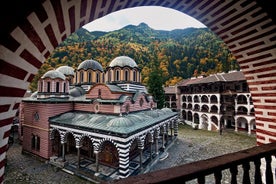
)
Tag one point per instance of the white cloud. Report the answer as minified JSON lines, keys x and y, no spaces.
{"x":158,"y":18}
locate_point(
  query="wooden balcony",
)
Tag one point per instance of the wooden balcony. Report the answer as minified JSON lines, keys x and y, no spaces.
{"x":214,"y":166}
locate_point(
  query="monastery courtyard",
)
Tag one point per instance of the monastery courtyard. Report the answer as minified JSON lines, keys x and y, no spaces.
{"x":191,"y":145}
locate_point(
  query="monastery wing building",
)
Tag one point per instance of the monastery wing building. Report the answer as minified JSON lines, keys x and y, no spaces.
{"x":214,"y":102}
{"x":100,"y":121}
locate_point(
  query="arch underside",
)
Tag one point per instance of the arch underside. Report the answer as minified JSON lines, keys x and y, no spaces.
{"x":29,"y":33}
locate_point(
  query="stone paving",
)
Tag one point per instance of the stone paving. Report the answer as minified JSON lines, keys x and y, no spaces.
{"x":191,"y":145}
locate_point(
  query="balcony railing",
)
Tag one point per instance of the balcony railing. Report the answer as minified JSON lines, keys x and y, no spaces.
{"x":214,"y":166}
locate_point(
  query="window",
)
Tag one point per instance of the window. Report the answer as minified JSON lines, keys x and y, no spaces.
{"x":89,"y":77}
{"x":36,"y":116}
{"x":57,"y":87}
{"x":127,"y":108}
{"x":134,"y":76}
{"x":109,"y":75}
{"x":99,"y":93}
{"x":48,"y":87}
{"x":117,"y":77}
{"x":98,"y":77}
{"x":81,"y":76}
{"x":64,"y":87}
{"x":35,"y":142}
{"x":97,"y":108}
{"x":126,"y":75}
{"x":141,"y":102}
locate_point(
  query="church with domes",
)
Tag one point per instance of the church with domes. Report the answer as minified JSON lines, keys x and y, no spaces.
{"x":99,"y":121}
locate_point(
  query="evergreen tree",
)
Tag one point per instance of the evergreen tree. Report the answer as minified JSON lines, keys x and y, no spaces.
{"x":155,"y":87}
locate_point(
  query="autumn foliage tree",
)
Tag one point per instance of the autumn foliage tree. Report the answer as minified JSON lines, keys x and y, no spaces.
{"x":180,"y":54}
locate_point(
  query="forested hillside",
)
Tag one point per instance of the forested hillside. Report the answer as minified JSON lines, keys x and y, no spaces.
{"x":179,"y":53}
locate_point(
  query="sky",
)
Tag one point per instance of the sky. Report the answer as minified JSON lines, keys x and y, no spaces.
{"x":158,"y":18}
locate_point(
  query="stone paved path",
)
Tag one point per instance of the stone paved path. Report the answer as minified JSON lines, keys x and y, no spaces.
{"x":192,"y":145}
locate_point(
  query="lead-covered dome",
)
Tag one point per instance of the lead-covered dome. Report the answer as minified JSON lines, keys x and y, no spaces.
{"x":90,"y":64}
{"x":120,"y":122}
{"x":66,"y":70}
{"x":77,"y":92}
{"x":122,"y":61}
{"x":54,"y":74}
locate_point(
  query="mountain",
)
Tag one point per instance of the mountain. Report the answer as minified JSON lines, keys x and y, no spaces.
{"x":180,"y":53}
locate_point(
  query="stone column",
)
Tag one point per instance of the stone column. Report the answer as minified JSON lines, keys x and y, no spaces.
{"x":97,"y":162}
{"x":249,"y":128}
{"x":156,"y":145}
{"x":163,"y":140}
{"x":171,"y":127}
{"x":141,"y":158}
{"x":123,"y":164}
{"x":248,"y":105}
{"x":151,"y":151}
{"x":78,"y":149}
{"x":236,"y":124}
{"x":63,"y":151}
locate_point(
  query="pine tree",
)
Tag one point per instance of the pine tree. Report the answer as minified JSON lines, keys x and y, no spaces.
{"x":155,"y":86}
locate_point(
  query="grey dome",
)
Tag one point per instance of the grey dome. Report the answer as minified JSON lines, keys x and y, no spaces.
{"x":66,"y":70}
{"x":166,"y":110}
{"x":54,"y":74}
{"x":120,"y":122}
{"x":90,"y":64}
{"x":77,"y":92}
{"x":123,"y":61}
{"x":153,"y":114}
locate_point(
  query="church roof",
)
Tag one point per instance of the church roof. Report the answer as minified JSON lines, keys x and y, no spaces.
{"x":120,"y":122}
{"x":115,"y":88}
{"x":219,"y":77}
{"x":77,"y":92}
{"x":170,"y":89}
{"x":66,"y":70}
{"x":90,"y":64}
{"x":53,"y":74}
{"x":121,"y":126}
{"x":122,"y":61}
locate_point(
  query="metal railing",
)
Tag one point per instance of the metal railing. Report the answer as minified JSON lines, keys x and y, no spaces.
{"x":215,"y":166}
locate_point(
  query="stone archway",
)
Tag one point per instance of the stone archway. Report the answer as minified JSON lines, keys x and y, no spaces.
{"x":56,"y":143}
{"x":108,"y":154}
{"x":29,"y":33}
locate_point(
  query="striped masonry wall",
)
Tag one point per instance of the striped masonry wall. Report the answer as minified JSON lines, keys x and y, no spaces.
{"x":30,"y":33}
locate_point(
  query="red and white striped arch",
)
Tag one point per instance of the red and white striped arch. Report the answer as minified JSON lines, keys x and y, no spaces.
{"x":244,"y":26}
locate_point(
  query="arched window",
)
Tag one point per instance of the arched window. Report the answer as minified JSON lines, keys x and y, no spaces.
{"x":35,"y":142}
{"x":141,"y":102}
{"x":117,"y":75}
{"x":134,"y":76}
{"x":126,"y":75}
{"x":127,"y":108}
{"x":57,"y":87}
{"x":76,"y":77}
{"x":81,"y":76}
{"x":109,"y":75}
{"x":99,"y":93}
{"x":48,"y":87}
{"x":97,"y":77}
{"x":89,"y":77}
{"x":64,"y":87}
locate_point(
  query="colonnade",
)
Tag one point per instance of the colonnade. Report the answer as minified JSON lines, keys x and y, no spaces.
{"x":152,"y":135}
